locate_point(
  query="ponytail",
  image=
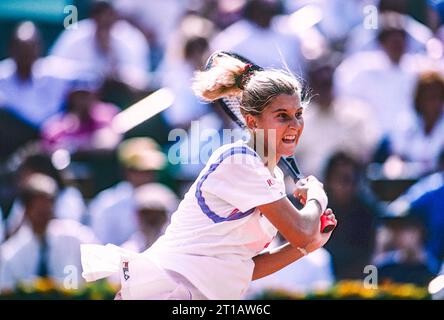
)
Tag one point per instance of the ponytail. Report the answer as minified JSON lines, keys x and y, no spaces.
{"x":228,"y":77}
{"x":221,"y":80}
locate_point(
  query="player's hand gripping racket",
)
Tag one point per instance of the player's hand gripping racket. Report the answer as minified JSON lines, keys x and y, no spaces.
{"x":231,"y":106}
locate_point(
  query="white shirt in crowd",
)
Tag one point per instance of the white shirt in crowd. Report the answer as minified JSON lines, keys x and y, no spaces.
{"x":113,"y":213}
{"x":386,"y":87}
{"x":129,"y":56}
{"x":266,"y":47}
{"x":69,"y":204}
{"x":186,"y":107}
{"x":40,"y":97}
{"x":338,"y":16}
{"x":147,"y":14}
{"x":20,"y":253}
{"x":361,"y":38}
{"x":411,"y":143}
{"x":309,"y":274}
{"x":217,"y":229}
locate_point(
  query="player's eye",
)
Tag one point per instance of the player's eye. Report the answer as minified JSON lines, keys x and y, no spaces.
{"x":299,"y":115}
{"x":283,"y":116}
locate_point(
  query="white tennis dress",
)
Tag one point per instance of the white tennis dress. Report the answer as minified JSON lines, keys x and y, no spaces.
{"x":212,"y":238}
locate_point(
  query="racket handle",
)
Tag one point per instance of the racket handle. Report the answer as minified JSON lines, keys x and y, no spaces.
{"x":327,"y":224}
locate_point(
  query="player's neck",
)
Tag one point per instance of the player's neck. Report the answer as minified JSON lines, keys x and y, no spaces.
{"x":270,"y":163}
{"x":269,"y":157}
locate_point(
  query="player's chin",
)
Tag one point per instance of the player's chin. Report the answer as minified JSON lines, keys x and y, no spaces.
{"x":287,"y":149}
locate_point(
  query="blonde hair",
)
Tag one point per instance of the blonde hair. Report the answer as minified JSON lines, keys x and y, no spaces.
{"x":256,"y":89}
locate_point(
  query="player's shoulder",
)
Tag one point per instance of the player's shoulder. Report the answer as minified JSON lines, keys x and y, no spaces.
{"x":234,"y":158}
{"x":235,"y":150}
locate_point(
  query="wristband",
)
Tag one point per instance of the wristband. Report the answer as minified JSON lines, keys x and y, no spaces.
{"x":320,"y":197}
{"x":318,"y":204}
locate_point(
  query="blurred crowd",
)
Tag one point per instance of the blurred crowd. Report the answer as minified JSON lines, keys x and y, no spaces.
{"x":374,"y":129}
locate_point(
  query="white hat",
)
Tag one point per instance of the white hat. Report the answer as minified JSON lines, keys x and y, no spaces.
{"x":155,"y":196}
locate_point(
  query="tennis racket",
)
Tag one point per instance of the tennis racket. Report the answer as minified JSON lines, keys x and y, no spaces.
{"x":231,"y":106}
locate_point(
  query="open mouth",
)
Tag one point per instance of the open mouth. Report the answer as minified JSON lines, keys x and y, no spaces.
{"x":289,"y":139}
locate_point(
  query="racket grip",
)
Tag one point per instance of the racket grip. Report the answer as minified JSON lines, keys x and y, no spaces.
{"x":327,"y":224}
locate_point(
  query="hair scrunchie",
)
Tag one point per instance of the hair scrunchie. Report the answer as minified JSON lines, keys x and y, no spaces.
{"x":245,"y":76}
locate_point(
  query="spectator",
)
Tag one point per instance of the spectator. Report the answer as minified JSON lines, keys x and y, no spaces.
{"x":154,"y":205}
{"x":352,"y":245}
{"x":363,"y":38}
{"x":31,"y":89}
{"x":177,"y":72}
{"x":383,"y":78}
{"x":338,"y":16}
{"x":346,"y":122}
{"x":255,"y":38}
{"x":69,"y":203}
{"x":401,"y":256}
{"x":222,"y":13}
{"x":421,"y":138}
{"x":43,"y":247}
{"x":86,"y":123}
{"x":112,"y":211}
{"x":111,"y":48}
{"x":156,"y":27}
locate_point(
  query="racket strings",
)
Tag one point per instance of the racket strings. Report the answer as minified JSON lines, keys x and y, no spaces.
{"x":232,"y":107}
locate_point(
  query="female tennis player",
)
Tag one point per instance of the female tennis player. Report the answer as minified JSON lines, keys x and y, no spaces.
{"x":214,"y":245}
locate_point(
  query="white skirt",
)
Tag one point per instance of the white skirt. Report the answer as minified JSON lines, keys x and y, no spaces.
{"x":140,"y":277}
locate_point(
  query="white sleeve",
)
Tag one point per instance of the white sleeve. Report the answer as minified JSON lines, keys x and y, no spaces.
{"x":243,"y":181}
{"x":66,"y":43}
